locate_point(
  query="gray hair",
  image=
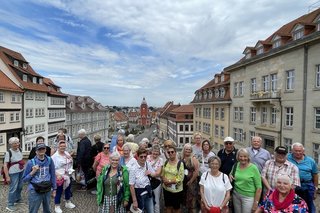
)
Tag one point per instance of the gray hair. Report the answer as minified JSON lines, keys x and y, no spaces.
{"x":82,"y":131}
{"x":243,"y":151}
{"x":130,"y":138}
{"x":115,"y":155}
{"x":146,"y":140}
{"x":156,"y":147}
{"x":212,"y":158}
{"x":298,"y":145}
{"x":13,"y":140}
{"x":126,"y":145}
{"x":257,"y":137}
{"x":284,"y":177}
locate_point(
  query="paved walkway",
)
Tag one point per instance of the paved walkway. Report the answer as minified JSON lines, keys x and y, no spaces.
{"x":84,"y":201}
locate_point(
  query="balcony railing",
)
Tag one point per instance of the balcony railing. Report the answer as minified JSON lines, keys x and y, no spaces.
{"x":265,"y":95}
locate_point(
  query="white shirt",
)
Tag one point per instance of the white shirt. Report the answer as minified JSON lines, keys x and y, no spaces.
{"x":62,"y":163}
{"x":204,"y":166}
{"x":137,"y":175}
{"x":214,"y":188}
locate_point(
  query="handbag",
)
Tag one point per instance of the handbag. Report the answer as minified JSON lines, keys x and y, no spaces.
{"x":154,"y":182}
{"x":60,"y":181}
{"x":42,"y":187}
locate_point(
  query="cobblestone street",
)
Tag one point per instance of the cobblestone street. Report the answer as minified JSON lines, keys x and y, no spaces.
{"x":85,"y":202}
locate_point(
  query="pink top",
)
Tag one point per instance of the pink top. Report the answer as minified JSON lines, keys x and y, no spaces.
{"x":102,"y":160}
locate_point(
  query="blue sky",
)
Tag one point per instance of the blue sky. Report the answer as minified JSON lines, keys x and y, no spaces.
{"x":121,"y":51}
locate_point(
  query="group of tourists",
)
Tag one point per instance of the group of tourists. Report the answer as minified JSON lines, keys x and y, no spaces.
{"x":133,"y":177}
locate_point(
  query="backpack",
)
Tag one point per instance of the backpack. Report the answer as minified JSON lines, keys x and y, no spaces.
{"x":2,"y":168}
{"x":205,"y":178}
{"x":184,"y":181}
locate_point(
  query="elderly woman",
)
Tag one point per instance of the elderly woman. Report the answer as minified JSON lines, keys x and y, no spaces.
{"x":197,"y":149}
{"x":247,"y":183}
{"x":101,"y":159}
{"x":205,"y":155}
{"x":13,"y":169}
{"x":63,"y":165}
{"x":172,"y":177}
{"x":127,"y":159}
{"x":283,"y":198}
{"x":163,"y":152}
{"x":192,"y":186}
{"x":119,"y":147}
{"x":214,"y":187}
{"x":133,"y":146}
{"x":156,"y":162}
{"x":140,"y":186}
{"x":113,"y":187}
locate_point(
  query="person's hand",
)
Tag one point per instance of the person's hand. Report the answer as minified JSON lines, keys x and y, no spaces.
{"x":8,"y":180}
{"x":35,"y":168}
{"x":59,"y":177}
{"x":231,"y":178}
{"x":125,"y":204}
{"x":135,"y":205}
{"x":254,"y":207}
{"x":147,"y":172}
{"x":54,"y":193}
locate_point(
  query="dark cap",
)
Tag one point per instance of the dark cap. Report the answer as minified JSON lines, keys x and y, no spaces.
{"x":40,"y":146}
{"x":281,"y":150}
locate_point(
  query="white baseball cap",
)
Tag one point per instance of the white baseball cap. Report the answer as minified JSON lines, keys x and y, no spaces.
{"x":229,"y":139}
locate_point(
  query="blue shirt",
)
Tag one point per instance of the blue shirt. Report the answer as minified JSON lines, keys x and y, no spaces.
{"x":259,"y":158}
{"x":307,"y":168}
{"x":46,"y":172}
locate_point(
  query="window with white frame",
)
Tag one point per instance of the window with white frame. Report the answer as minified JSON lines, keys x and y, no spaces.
{"x":264,"y":115}
{"x":222,"y":78}
{"x":273,"y":116}
{"x":241,"y":88}
{"x":259,"y":50}
{"x":235,"y":89}
{"x":222,"y":131}
{"x":253,"y":85}
{"x":216,"y":130}
{"x":210,"y":94}
{"x":236,"y":113}
{"x":317,"y":117}
{"x":34,"y":80}
{"x":216,"y":93}
{"x":200,"y":126}
{"x":181,"y":128}
{"x":197,"y":115}
{"x":12,"y":117}
{"x":316,"y":153}
{"x":2,"y":117}
{"x":253,"y":115}
{"x":288,"y":143}
{"x":17,"y":116}
{"x":298,"y":34}
{"x":318,"y":76}
{"x":235,"y":133}
{"x":290,"y":80}
{"x":276,"y":43}
{"x":221,"y":113}
{"x":241,"y":136}
{"x":216,"y":113}
{"x":289,"y":116}
{"x":265,"y":83}
{"x":25,"y":77}
{"x":16,"y":63}
{"x":252,"y":134}
{"x":222,"y":92}
{"x":274,"y":80}
{"x":29,"y":112}
{"x":186,"y":127}
{"x":29,"y":95}
{"x":200,"y":112}
{"x":240,"y":113}
{"x":1,"y":140}
{"x":15,"y":98}
{"x":1,"y":97}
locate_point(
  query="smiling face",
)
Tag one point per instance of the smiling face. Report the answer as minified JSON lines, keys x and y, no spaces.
{"x":214,"y":165}
{"x":62,"y":147}
{"x":187,"y":151}
{"x":256,"y":142}
{"x":126,"y":151}
{"x":120,"y":141}
{"x":243,"y":158}
{"x":106,"y":148}
{"x":114,"y":162}
{"x":298,"y":152}
{"x":15,"y":145}
{"x":205,"y":146}
{"x":283,"y":184}
{"x":280,"y":157}
{"x":172,"y":154}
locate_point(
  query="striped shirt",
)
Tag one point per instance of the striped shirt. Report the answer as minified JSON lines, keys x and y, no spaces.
{"x":271,"y":170}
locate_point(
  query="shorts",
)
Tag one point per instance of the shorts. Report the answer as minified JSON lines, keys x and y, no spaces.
{"x":172,"y":199}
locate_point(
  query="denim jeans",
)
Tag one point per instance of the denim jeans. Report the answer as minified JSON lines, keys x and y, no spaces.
{"x":157,"y":192}
{"x":306,"y":192}
{"x":35,"y":200}
{"x":241,"y":203}
{"x":15,"y":188}
{"x":67,"y":193}
{"x":145,"y":200}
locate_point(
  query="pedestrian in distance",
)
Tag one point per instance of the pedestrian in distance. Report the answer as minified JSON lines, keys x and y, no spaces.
{"x":41,"y":178}
{"x":32,"y":153}
{"x":13,"y":170}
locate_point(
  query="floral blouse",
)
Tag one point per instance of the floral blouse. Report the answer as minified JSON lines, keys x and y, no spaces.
{"x":298,"y":205}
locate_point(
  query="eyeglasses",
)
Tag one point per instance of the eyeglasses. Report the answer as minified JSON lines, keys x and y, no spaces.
{"x":227,"y":143}
{"x":142,"y":156}
{"x":171,"y":152}
{"x":106,"y":147}
{"x":41,"y":148}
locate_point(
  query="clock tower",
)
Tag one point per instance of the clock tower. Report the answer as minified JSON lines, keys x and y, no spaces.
{"x":144,"y":114}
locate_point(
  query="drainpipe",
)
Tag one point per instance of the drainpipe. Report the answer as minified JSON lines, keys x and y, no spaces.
{"x":304,"y":94}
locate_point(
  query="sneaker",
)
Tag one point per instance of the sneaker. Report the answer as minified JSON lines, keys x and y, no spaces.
{"x":10,"y":208}
{"x":19,"y":202}
{"x":94,"y":192}
{"x":69,"y":205}
{"x":57,"y":209}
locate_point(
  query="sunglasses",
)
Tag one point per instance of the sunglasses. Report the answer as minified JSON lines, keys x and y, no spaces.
{"x":142,"y":156}
{"x":228,"y":143}
{"x":106,"y":147}
{"x":171,"y":152}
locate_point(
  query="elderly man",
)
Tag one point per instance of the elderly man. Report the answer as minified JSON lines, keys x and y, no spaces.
{"x":279,"y":165}
{"x":308,"y":173}
{"x":227,"y":155}
{"x":84,"y":159}
{"x":258,"y":155}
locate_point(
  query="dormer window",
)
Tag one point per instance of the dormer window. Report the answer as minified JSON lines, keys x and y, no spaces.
{"x":25,"y":77}
{"x":16,"y":63}
{"x":71,"y":105}
{"x":222,"y":92}
{"x":83,"y":105}
{"x":222,"y":78}
{"x":276,"y":43}
{"x":216,"y":93}
{"x":210,"y":94}
{"x":40,"y":81}
{"x":298,"y":32}
{"x":260,"y":51}
{"x":34,"y":80}
{"x":216,"y":80}
{"x":200,"y":95}
{"x":248,"y":55}
{"x":25,"y":66}
{"x":205,"y":95}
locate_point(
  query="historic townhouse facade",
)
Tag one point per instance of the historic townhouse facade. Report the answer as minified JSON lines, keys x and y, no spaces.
{"x":10,"y":111}
{"x":163,"y":119}
{"x":212,"y":109}
{"x":276,"y":88}
{"x":34,"y":100}
{"x":85,"y":113}
{"x":180,"y":125}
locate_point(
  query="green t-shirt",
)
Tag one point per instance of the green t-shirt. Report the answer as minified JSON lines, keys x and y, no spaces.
{"x":247,"y":180}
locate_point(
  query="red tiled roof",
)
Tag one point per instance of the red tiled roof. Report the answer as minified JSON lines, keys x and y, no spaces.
{"x":54,"y":90}
{"x":120,"y":116}
{"x":183,"y":109}
{"x":7,"y":84}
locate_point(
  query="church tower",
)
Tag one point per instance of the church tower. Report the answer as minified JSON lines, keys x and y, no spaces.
{"x":144,"y":114}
